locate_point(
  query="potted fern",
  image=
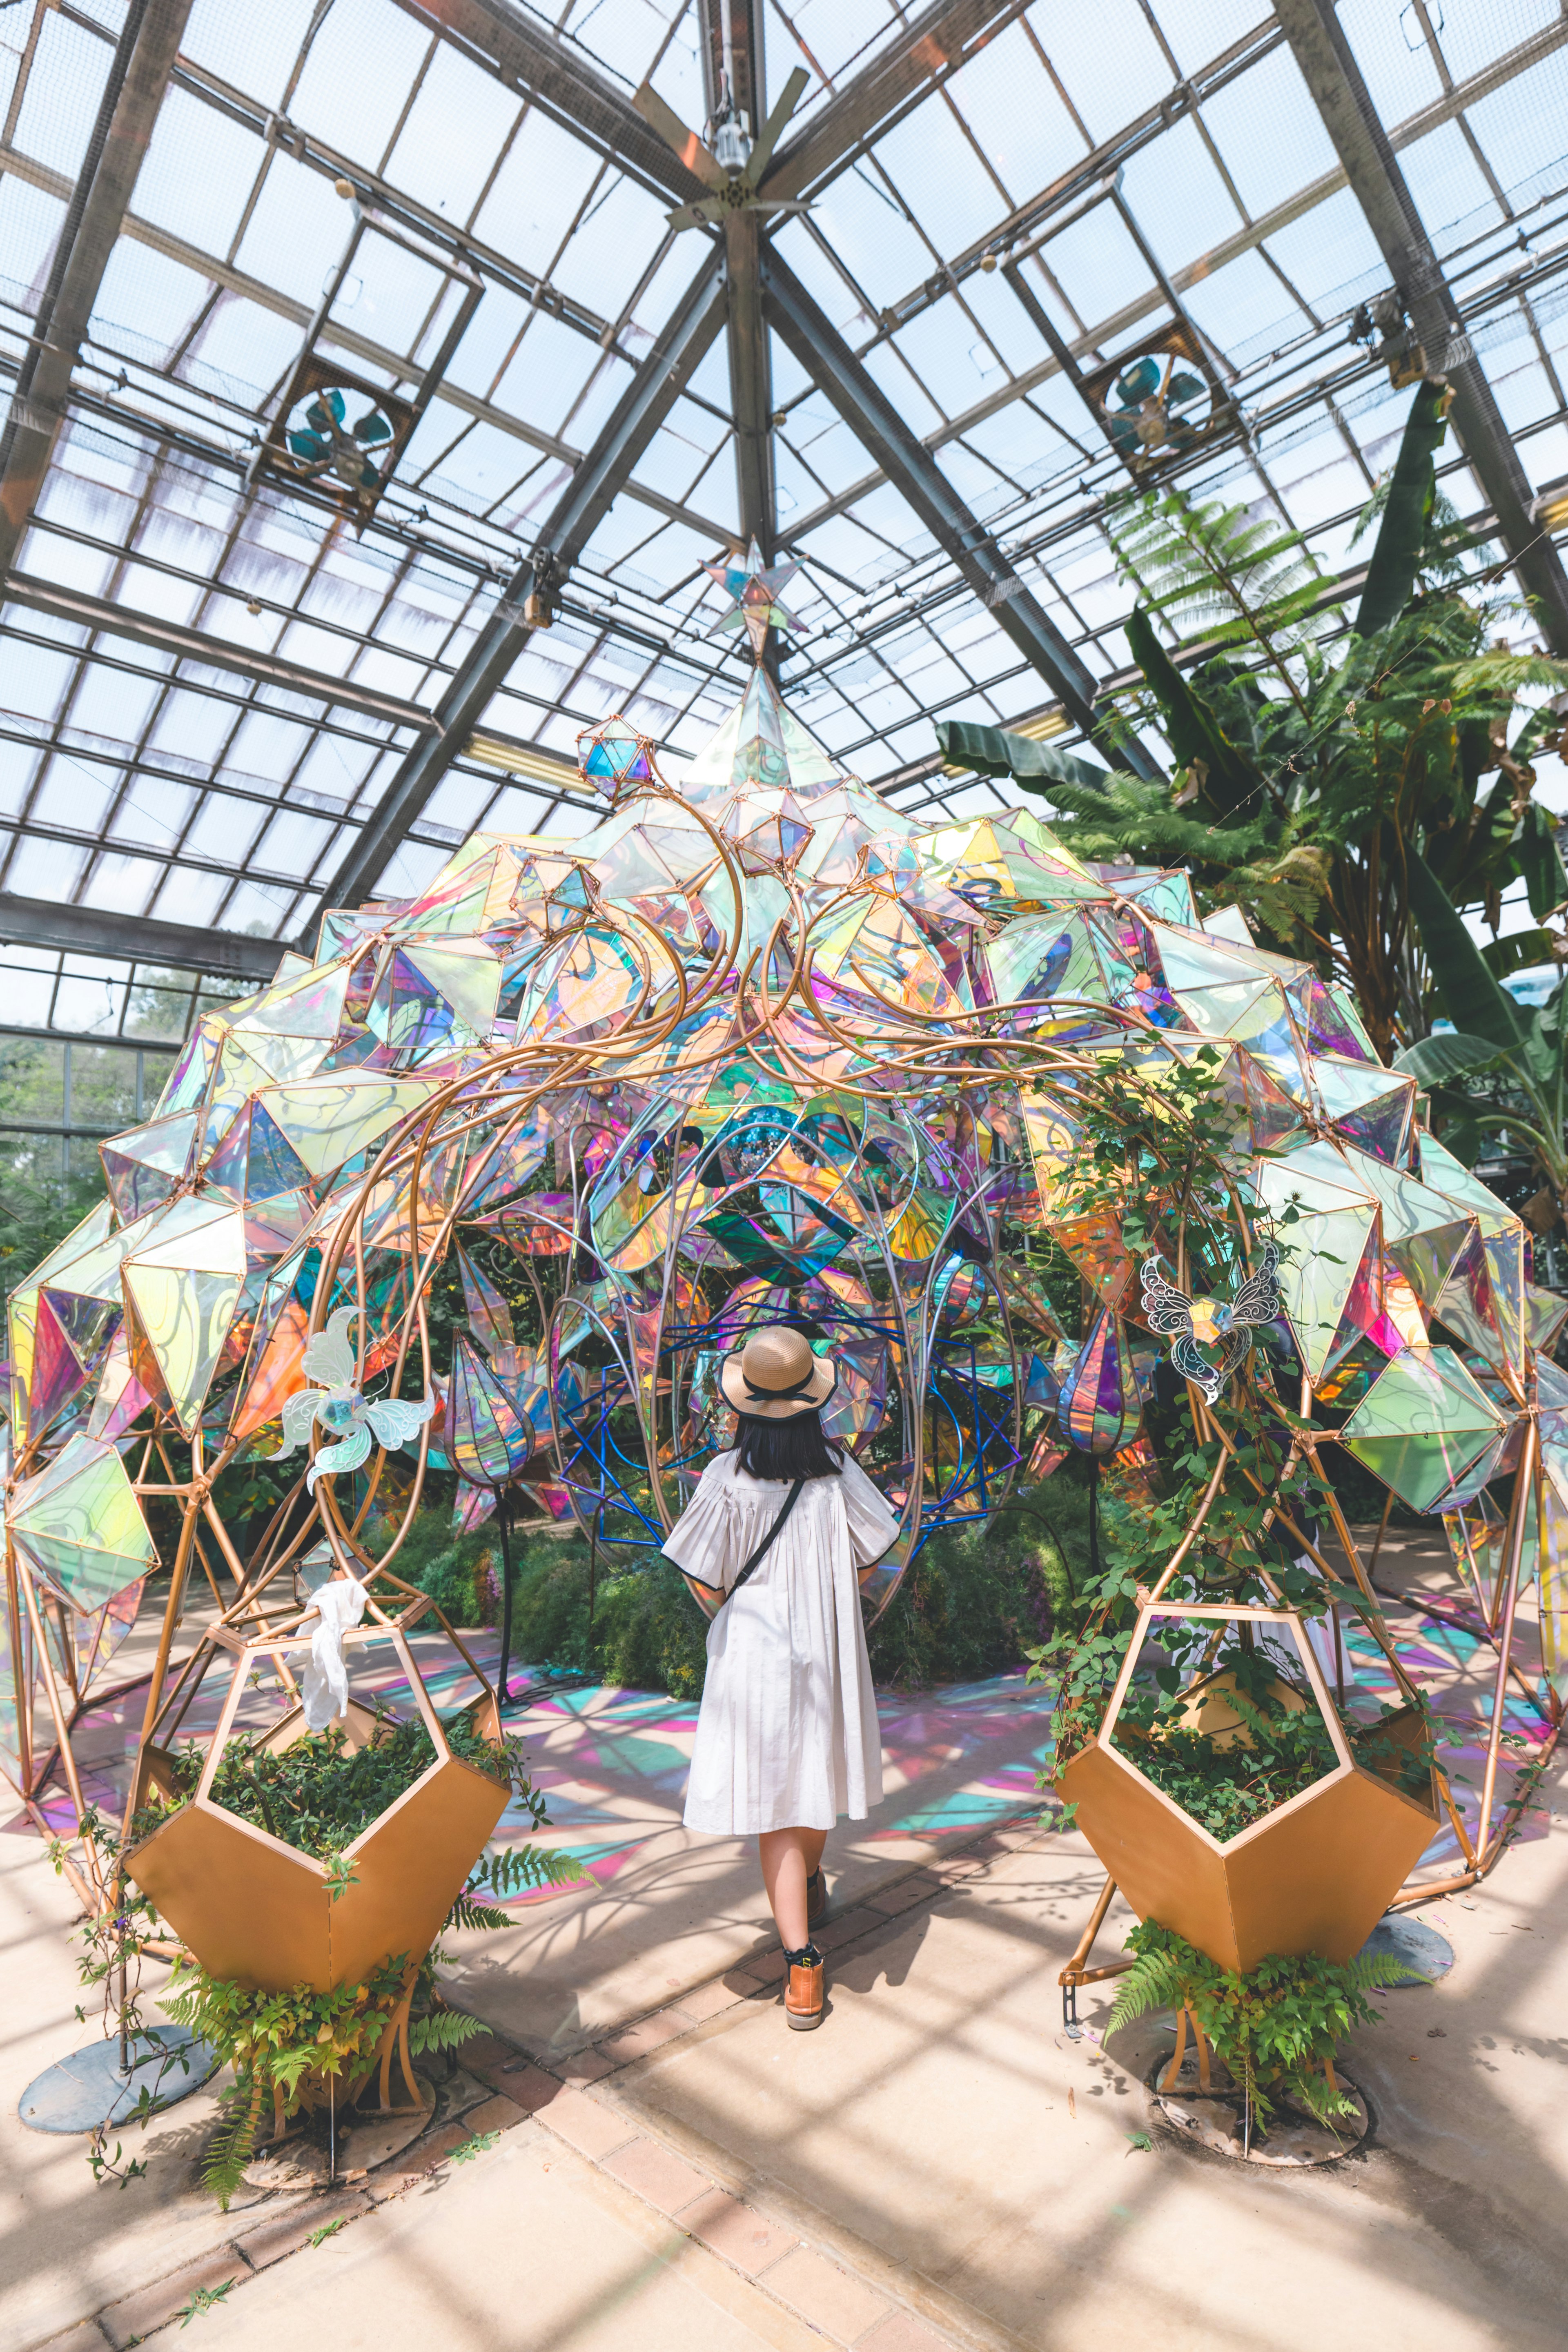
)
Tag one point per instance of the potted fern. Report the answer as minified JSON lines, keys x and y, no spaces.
{"x":1274,"y":2029}
{"x":300,"y":2045}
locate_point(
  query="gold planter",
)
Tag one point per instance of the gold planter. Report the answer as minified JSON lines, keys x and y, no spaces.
{"x":254,"y":1911}
{"x":1314,"y":1875}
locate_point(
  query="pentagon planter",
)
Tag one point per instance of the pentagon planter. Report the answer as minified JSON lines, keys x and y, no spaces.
{"x":256,"y":1911}
{"x":1314,"y":1875}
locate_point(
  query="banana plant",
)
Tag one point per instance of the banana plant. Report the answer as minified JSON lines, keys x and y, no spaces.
{"x":1523,"y":1047}
{"x":1310,"y":763}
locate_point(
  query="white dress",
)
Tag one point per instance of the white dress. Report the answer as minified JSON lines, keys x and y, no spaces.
{"x":787,"y":1738}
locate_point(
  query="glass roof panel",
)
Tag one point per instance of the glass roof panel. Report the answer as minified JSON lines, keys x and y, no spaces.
{"x":230,"y":666}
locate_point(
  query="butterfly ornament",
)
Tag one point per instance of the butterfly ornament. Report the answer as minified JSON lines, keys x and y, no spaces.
{"x":353,"y":1421}
{"x":1196,"y":1324}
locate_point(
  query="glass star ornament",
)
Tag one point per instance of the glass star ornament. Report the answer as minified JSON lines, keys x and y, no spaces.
{"x":353,"y":1422}
{"x":614,"y":755}
{"x":755,"y":588}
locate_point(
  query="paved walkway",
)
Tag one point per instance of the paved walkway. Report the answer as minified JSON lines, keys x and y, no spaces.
{"x":641,"y":2155}
{"x":938,"y":2166}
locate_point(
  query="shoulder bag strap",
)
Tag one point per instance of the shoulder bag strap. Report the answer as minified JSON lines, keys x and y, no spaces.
{"x":791,"y":1499}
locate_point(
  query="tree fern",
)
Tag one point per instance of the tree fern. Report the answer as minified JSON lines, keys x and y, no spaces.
{"x":234,"y":2142}
{"x":1219,"y":573}
{"x":466,"y":1913}
{"x":1154,"y":1982}
{"x":519,"y":1866}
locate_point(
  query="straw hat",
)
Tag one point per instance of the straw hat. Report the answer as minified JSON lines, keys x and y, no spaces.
{"x":774,"y":1376}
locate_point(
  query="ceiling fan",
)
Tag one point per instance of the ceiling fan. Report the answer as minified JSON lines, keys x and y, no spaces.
{"x":733,"y":166}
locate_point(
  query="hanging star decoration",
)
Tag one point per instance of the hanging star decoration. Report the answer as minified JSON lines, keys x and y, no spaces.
{"x":353,"y":1421}
{"x":755,"y":588}
{"x":1209,"y":1323}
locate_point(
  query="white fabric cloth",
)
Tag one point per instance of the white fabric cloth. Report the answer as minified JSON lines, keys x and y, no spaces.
{"x":324,"y":1684}
{"x":787,"y":1738}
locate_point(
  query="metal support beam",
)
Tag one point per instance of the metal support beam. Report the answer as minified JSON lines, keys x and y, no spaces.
{"x":731,"y":36}
{"x":750,"y":383}
{"x":1341,"y":95}
{"x":561,"y":80}
{"x":637,"y":417}
{"x":137,"y":938}
{"x":908,"y":465}
{"x":86,"y":612}
{"x":138,"y":76}
{"x":927,"y":51}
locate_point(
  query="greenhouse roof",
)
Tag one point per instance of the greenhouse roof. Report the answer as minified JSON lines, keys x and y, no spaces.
{"x":374,"y":426}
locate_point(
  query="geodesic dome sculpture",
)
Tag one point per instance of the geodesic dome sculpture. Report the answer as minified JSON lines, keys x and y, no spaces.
{"x":757,"y":1047}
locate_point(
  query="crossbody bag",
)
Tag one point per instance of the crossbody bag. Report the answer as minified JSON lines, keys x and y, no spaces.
{"x":791,"y":1499}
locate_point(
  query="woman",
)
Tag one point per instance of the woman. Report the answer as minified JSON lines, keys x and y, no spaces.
{"x":787,"y":1738}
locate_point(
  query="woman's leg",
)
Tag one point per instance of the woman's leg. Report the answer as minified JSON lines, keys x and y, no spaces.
{"x":788,"y":1858}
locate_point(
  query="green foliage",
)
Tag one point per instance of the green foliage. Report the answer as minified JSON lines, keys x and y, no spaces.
{"x":328,"y":2230}
{"x":977,"y":1599}
{"x":968,"y":745}
{"x":1226,"y":1782}
{"x":1523,"y":1049}
{"x":1274,"y":2028}
{"x":448,"y":2029}
{"x":202,"y":2300}
{"x":1233,"y":579}
{"x":318,"y":1795}
{"x":1313,"y":773}
{"x":478,"y":2144}
{"x":973,"y":1603}
{"x":36,"y":1214}
{"x":274,"y":2040}
{"x":1408,"y":507}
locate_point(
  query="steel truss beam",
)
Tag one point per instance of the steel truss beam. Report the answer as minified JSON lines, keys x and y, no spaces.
{"x":138,"y":78}
{"x":928,"y":51}
{"x":563,"y":82}
{"x":631,"y":426}
{"x":1335,"y":80}
{"x":136,"y":938}
{"x":908,"y":465}
{"x":731,"y":44}
{"x":86,"y":612}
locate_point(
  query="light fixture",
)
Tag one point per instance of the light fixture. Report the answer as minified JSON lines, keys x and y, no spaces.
{"x":1042,"y":728}
{"x":1549,"y":507}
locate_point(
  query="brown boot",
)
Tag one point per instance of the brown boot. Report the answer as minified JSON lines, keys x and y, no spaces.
{"x":803,"y":1989}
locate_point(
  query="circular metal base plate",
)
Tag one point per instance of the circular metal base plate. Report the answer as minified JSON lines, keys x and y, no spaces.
{"x":88,"y":2088}
{"x":363,"y":2141}
{"x":1215,"y":2120}
{"x":1424,"y":1953}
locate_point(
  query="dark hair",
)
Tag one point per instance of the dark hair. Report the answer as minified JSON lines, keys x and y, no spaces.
{"x":794,"y":1448}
